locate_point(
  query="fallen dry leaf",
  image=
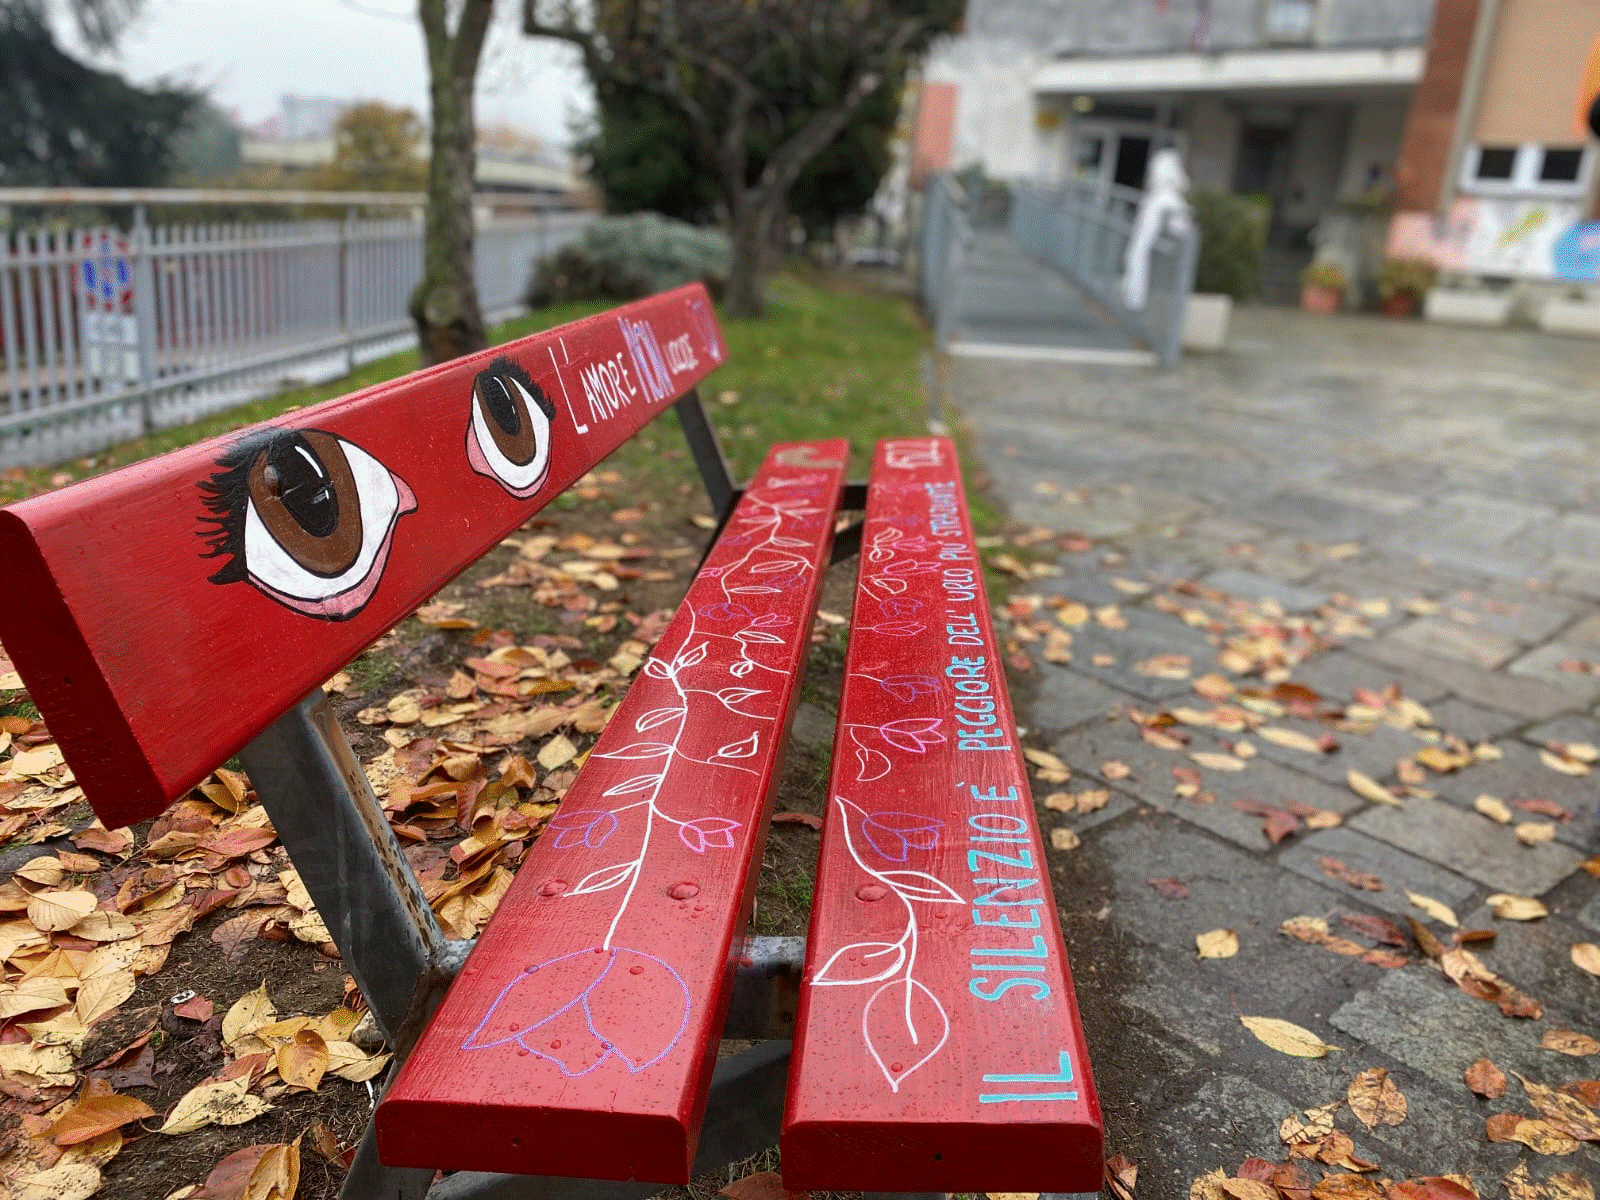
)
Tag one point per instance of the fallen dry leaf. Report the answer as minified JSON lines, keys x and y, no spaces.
{"x":1375,"y":1100}
{"x":1586,"y":956}
{"x":302,"y":1061}
{"x":218,"y":1102}
{"x":1432,"y":1187}
{"x":1218,"y":762}
{"x":1531,"y":833}
{"x":1539,"y":1136}
{"x":1121,"y":1176}
{"x":1347,"y":1187}
{"x":249,"y":1012}
{"x":56,"y":911}
{"x":1286,"y":1038}
{"x":1486,"y":1079}
{"x":1517,"y":908}
{"x":557,"y":752}
{"x":96,"y":1114}
{"x":64,"y":1181}
{"x":1439,"y":912}
{"x":1218,"y":943}
{"x":1064,"y":839}
{"x":1115,"y":770}
{"x":1569,"y":1041}
{"x":1369,"y":788}
{"x":1291,"y":739}
{"x":1494,"y":808}
{"x":1248,"y":1189}
{"x":1567,"y":1113}
{"x":1569,"y":1185}
{"x":1335,"y":868}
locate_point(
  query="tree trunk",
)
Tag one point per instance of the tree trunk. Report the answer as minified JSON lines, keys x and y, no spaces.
{"x":445,"y":304}
{"x":750,"y":233}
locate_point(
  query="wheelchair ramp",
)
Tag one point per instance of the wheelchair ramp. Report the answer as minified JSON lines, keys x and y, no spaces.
{"x":1012,"y":307}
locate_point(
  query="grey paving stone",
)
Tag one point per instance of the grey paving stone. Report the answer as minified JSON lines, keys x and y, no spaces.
{"x":1050,"y":819}
{"x":1400,"y":872}
{"x":1469,"y":844}
{"x":1573,"y":727}
{"x":1589,"y":915}
{"x":1532,"y":698}
{"x":1324,"y":517}
{"x":1471,"y":721}
{"x":1512,"y":612}
{"x":1434,"y":635}
{"x":1066,"y":699}
{"x":1521,"y":773}
{"x":1229,"y":1120}
{"x":1470,"y":520}
{"x":1572,"y":540}
{"x":1534,"y":956}
{"x":1585,"y":633}
{"x":1247,"y":585}
{"x":1373,"y":753}
{"x":1338,"y":673}
{"x":1544,"y":662}
{"x":1579,"y":581}
{"x":1420,"y":1018}
{"x":1147,"y":635}
{"x":1264,"y":781}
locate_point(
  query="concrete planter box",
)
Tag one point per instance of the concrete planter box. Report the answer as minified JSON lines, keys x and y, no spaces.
{"x":1205,"y":321}
{"x":1570,"y":316}
{"x":1467,"y":308}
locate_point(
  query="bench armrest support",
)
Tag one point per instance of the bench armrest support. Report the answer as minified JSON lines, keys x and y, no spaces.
{"x":329,"y":820}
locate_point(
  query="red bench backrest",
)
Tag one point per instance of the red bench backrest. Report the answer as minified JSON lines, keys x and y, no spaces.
{"x":163,"y":615}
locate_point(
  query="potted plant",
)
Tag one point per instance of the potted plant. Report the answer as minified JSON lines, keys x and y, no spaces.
{"x":1322,"y":287}
{"x":1403,"y":283}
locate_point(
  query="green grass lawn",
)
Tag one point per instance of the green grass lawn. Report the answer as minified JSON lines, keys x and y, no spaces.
{"x":826,"y":362}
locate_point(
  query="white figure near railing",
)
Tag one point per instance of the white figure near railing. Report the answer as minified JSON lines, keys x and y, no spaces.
{"x":1162,"y":209}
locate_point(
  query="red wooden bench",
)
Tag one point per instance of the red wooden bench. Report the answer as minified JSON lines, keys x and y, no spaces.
{"x":169,"y":615}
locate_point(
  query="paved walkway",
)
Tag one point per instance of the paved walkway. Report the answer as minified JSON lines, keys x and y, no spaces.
{"x":1341,"y":504}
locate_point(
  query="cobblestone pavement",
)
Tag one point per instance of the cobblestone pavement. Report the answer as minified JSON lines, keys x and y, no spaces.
{"x":1384,"y":503}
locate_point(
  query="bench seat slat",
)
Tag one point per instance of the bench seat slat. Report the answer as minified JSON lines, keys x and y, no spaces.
{"x":938,"y":1045}
{"x":580,"y":1037}
{"x":323,"y":529}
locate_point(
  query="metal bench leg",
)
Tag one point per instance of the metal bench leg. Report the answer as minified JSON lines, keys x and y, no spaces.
{"x":331,"y":823}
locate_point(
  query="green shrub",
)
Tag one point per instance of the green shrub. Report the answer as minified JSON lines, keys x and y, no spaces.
{"x":1233,"y":236}
{"x":1406,"y":277}
{"x":623,"y":258}
{"x":1326,"y":274}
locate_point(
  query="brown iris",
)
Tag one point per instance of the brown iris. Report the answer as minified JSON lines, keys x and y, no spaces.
{"x":505,"y":412}
{"x":303,"y":490}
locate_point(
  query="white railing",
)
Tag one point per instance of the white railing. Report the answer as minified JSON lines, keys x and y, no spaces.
{"x":185,"y":320}
{"x":946,"y":241}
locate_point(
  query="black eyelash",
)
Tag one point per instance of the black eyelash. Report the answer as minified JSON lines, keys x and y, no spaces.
{"x":225,"y":495}
{"x":503,"y":366}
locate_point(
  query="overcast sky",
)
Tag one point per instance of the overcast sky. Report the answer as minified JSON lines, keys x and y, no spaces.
{"x":247,"y":53}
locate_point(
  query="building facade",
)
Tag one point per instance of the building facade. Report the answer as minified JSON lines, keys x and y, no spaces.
{"x":1499,"y":169}
{"x":1302,"y":103}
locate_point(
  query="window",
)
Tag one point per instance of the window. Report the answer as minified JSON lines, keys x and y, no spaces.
{"x":1529,"y":169}
{"x":1496,"y":163}
{"x":1291,"y":20}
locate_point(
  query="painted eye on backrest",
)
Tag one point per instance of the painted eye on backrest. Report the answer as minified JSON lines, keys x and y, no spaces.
{"x":508,"y":434}
{"x":306,"y":518}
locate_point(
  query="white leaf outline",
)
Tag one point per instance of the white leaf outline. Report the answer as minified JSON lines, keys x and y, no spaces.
{"x":896,"y":1078}
{"x":733,"y":695}
{"x":939,"y":892}
{"x":613,"y":876}
{"x":871,"y":765}
{"x":638,"y":750}
{"x":638,"y":783}
{"x":691,"y":658}
{"x":657,"y":716}
{"x":746,"y":747}
{"x":754,"y":589}
{"x":820,"y":979}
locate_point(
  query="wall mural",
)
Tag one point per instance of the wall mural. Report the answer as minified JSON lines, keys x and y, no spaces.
{"x":1504,"y":236}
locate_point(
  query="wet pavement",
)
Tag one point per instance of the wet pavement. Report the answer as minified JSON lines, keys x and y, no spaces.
{"x":1379,"y":534}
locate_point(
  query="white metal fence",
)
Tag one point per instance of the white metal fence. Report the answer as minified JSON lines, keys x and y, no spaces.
{"x":106,"y":335}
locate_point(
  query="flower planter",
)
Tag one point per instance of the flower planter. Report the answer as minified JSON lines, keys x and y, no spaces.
{"x":1571,"y":316}
{"x":1205,"y":321}
{"x":1401,"y":304}
{"x":1314,"y":299}
{"x":1462,"y":307}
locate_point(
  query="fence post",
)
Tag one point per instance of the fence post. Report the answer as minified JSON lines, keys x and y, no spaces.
{"x":346,"y":329}
{"x":144,"y":316}
{"x":1182,"y":287}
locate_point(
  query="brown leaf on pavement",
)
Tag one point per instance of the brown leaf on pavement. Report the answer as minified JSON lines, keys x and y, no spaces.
{"x":1217,"y":943}
{"x":1378,"y":929}
{"x":1375,"y":1100}
{"x":1292,"y":1183}
{"x":1539,"y":1136}
{"x":1286,"y":1037}
{"x":1426,"y":941}
{"x":1517,"y":908}
{"x":1170,"y":888}
{"x":809,"y":820}
{"x":1486,"y":1079}
{"x":1431,"y":1187}
{"x":1336,"y":869}
{"x":1567,"y":1113}
{"x":1569,"y":1041}
{"x":1248,"y":1189}
{"x":1209,"y":1186}
{"x":1586,"y":956}
{"x":1347,"y":1187}
{"x":1520,"y":1186}
{"x":1569,"y":1185}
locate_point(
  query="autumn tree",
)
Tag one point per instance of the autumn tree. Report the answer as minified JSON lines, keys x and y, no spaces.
{"x":65,"y":123}
{"x":445,"y":306}
{"x":789,"y":75}
{"x":376,"y":149}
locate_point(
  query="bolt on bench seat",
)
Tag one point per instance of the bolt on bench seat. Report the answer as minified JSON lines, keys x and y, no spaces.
{"x":179,"y":611}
